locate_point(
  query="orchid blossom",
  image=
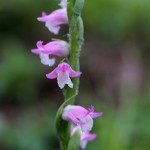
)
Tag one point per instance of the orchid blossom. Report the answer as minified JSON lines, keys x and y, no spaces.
{"x":81,"y":116}
{"x":63,"y":72}
{"x":54,"y":20}
{"x":85,"y":136}
{"x":56,"y":48}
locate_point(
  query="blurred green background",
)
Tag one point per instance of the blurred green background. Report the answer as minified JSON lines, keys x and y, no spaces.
{"x":115,"y":63}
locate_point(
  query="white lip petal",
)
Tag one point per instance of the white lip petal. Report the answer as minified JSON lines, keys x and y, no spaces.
{"x":51,"y":62}
{"x":88,"y":123}
{"x":45,"y":60}
{"x":63,"y":3}
{"x":52,"y":28}
{"x":83,"y":144}
{"x":70,"y":84}
{"x":63,"y":78}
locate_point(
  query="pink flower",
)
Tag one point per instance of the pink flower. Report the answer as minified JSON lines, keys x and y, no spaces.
{"x":63,"y":3}
{"x":54,"y":20}
{"x":81,"y":116}
{"x":63,"y":72}
{"x":56,"y":47}
{"x":85,"y":136}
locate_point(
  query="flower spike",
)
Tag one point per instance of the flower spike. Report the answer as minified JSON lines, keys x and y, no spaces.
{"x":54,"y":20}
{"x":63,"y":72}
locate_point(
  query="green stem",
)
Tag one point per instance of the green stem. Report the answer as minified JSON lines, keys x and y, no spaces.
{"x":76,"y":31}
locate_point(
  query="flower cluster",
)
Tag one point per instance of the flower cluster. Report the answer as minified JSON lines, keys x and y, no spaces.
{"x":83,"y":118}
{"x":60,"y":48}
{"x":79,"y":116}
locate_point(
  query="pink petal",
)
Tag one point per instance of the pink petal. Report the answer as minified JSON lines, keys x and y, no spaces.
{"x":88,"y":136}
{"x":53,"y":74}
{"x":71,"y":72}
{"x":39,"y":48}
{"x":91,"y":109}
{"x":92,"y":113}
{"x":39,"y":44}
{"x":54,"y":20}
{"x":44,"y":14}
{"x":73,"y":119}
{"x":76,"y":110}
{"x":74,"y":73}
{"x":97,"y":114}
{"x":35,"y":51}
{"x":57,"y":47}
{"x":85,"y":136}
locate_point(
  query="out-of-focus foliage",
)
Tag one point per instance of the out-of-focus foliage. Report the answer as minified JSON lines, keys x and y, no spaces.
{"x":33,"y":130}
{"x":19,"y":72}
{"x":117,"y":17}
{"x":115,"y":64}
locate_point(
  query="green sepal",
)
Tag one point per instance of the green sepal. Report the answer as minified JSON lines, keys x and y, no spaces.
{"x":62,"y":126}
{"x":78,"y":7}
{"x":80,"y":30}
{"x":74,"y":7}
{"x":74,"y":142}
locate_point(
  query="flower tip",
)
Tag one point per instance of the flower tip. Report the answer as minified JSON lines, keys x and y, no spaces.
{"x":51,"y":75}
{"x":48,"y":76}
{"x":80,"y":73}
{"x":39,"y":18}
{"x":33,"y":50}
{"x":91,"y":137}
{"x":39,"y":44}
{"x":40,"y":41}
{"x":94,"y":136}
{"x":44,"y":14}
{"x":91,"y":109}
{"x":100,"y":113}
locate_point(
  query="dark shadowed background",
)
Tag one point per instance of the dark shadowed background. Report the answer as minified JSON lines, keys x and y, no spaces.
{"x":115,"y":62}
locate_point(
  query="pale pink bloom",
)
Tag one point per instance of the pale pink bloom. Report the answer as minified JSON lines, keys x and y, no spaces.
{"x":63,"y":72}
{"x":81,"y":116}
{"x":54,"y":20}
{"x":63,"y":3}
{"x":85,"y":136}
{"x":56,"y":48}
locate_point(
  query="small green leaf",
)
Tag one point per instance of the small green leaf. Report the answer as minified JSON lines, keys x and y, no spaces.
{"x":62,"y":126}
{"x":74,"y":142}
